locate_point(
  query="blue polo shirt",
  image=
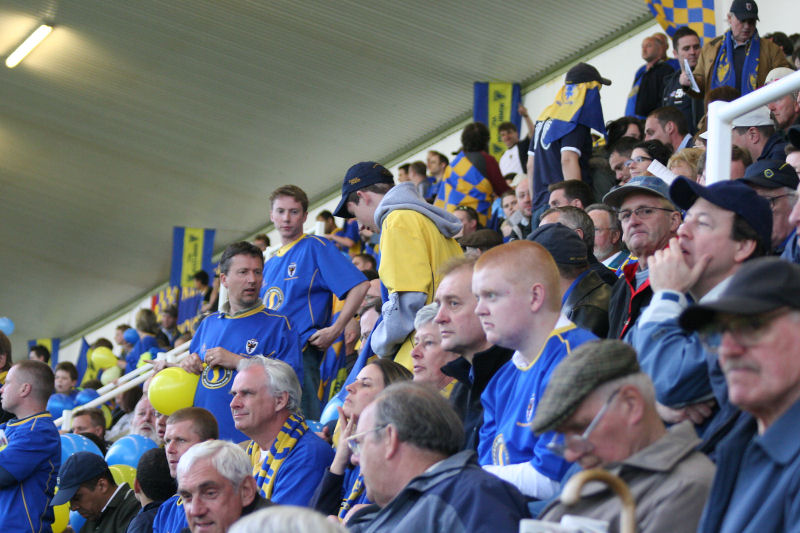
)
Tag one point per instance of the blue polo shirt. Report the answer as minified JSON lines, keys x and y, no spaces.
{"x":300,"y":279}
{"x":757,"y":482}
{"x":28,"y":468}
{"x":509,"y":405}
{"x":170,"y":518}
{"x":256,"y":332}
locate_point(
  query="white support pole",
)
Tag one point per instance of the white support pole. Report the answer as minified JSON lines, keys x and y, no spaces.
{"x":170,"y":356}
{"x":721,"y":115}
{"x":128,"y":381}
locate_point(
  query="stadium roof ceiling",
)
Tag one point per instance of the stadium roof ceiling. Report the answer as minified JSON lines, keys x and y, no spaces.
{"x":133,"y":117}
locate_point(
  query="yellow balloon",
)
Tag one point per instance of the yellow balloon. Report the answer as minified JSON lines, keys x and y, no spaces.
{"x":144,"y":359}
{"x":171,"y":389}
{"x":61,"y":513}
{"x":107,"y":415}
{"x":123,"y":473}
{"x":103,"y":357}
{"x":110,"y":374}
{"x":61,"y":517}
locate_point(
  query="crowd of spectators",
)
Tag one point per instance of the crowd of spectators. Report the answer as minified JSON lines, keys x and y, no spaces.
{"x":476,"y":333}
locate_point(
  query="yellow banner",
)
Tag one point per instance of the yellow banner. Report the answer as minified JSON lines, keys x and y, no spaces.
{"x":500,"y":95}
{"x":192,"y":255}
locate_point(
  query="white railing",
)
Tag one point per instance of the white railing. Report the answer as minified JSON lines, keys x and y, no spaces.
{"x":128,"y":381}
{"x":721,"y":115}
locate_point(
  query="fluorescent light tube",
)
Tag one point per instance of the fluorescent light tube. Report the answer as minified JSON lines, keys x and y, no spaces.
{"x":27,"y":45}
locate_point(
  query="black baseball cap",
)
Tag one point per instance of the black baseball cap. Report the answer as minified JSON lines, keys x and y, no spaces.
{"x":584,"y":72}
{"x":359,"y":176}
{"x":793,"y":134}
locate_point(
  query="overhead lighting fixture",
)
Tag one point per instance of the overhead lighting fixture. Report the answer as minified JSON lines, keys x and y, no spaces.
{"x":28,"y":44}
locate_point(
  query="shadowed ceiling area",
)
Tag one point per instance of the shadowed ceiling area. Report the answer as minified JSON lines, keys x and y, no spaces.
{"x":134,"y":117}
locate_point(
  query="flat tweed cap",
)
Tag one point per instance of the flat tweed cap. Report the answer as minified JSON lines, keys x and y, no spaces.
{"x":578,"y":375}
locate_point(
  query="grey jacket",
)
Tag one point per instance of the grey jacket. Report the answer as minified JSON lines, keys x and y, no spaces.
{"x":670,"y":482}
{"x":401,"y":308}
{"x":454,"y":496}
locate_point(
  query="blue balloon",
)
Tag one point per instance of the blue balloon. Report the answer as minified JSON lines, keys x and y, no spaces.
{"x":72,"y":443}
{"x":86,"y":396}
{"x":330,"y":412}
{"x":6,"y":325}
{"x":131,"y":336}
{"x":76,"y":521}
{"x":128,"y":450}
{"x":58,"y":403}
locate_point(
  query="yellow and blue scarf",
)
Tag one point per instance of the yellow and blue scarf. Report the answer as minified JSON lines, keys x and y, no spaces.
{"x":576,"y":103}
{"x":723,"y":73}
{"x":354,"y":497}
{"x":291,"y":432}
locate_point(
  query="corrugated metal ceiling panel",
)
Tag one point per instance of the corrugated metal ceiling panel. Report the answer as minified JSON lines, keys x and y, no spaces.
{"x":136,"y":116}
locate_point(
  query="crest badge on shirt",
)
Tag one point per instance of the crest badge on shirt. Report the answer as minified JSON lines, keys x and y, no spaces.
{"x":251,"y":346}
{"x":291,"y":269}
{"x":531,"y":405}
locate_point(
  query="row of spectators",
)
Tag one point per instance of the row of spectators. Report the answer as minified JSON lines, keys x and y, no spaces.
{"x":600,"y":306}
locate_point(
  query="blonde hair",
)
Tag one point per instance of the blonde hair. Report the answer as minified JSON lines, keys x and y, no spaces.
{"x":690,"y":156}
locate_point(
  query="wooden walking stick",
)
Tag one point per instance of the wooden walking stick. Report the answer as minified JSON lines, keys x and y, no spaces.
{"x":572,"y":493}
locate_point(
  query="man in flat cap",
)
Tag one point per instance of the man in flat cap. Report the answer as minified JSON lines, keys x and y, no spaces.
{"x":755,"y":324}
{"x":478,"y":242}
{"x":603,"y":409}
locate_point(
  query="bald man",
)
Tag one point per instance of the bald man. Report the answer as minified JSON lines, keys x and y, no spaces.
{"x":519,"y":306}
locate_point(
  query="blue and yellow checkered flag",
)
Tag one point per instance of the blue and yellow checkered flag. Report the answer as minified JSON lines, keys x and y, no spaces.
{"x":464,"y":185}
{"x":697,"y":14}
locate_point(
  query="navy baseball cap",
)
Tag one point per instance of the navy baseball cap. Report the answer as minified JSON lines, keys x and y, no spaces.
{"x":79,"y":468}
{"x":759,"y":286}
{"x":359,"y":176}
{"x":771,"y":173}
{"x":564,"y":244}
{"x":639,"y":184}
{"x":745,"y":9}
{"x":732,"y":195}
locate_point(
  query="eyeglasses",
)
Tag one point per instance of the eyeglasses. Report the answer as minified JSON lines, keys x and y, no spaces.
{"x":643,"y":212}
{"x":580,"y":444}
{"x":637,"y":159}
{"x":774,"y":199}
{"x":745,"y":330}
{"x":354,"y":441}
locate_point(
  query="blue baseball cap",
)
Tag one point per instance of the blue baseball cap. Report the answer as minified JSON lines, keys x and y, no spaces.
{"x":639,"y":184}
{"x":732,"y":195}
{"x":359,"y":176}
{"x":79,"y":468}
